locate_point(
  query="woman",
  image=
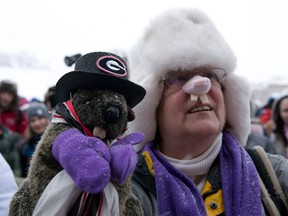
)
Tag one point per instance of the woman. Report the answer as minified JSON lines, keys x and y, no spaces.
{"x":11,"y":116}
{"x":279,"y":137}
{"x":195,"y":118}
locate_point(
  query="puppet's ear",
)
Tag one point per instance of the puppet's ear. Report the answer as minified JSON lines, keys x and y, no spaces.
{"x":131,"y":115}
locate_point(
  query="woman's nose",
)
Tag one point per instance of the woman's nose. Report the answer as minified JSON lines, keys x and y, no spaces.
{"x":198,"y":86}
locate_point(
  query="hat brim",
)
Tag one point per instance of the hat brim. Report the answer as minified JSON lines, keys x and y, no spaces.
{"x":74,"y":80}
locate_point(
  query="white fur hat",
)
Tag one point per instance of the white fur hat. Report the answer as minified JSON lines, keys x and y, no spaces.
{"x":185,"y":38}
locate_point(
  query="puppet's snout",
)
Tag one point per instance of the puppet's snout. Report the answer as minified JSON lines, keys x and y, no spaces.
{"x":112,"y":114}
{"x":198,"y":86}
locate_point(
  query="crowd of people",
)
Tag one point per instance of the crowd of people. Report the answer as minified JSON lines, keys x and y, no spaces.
{"x":22,"y":122}
{"x":195,"y":118}
{"x":269,"y":124}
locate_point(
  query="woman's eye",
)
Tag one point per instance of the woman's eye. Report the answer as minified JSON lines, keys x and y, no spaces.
{"x":181,"y":78}
{"x":210,"y":76}
{"x":176,"y":80}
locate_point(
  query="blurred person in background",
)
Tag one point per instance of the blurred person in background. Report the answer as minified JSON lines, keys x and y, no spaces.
{"x":279,"y":137}
{"x":264,"y":115}
{"x":256,"y":138}
{"x":258,"y":135}
{"x":10,"y":143}
{"x":50,"y":99}
{"x":38,"y":121}
{"x":11,"y":116}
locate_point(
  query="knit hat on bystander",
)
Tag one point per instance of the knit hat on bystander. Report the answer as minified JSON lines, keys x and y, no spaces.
{"x":37,"y":109}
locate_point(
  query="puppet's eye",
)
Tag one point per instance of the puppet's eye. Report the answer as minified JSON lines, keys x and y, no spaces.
{"x":88,"y":102}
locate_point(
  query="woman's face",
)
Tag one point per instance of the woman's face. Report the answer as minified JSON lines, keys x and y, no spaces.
{"x":179,"y":116}
{"x":38,"y":124}
{"x":284,"y":110}
{"x":6,"y":99}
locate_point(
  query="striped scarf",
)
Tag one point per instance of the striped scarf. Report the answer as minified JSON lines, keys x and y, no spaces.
{"x":87,"y":204}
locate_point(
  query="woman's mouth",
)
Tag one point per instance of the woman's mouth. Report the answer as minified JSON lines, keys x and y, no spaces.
{"x":200,"y":109}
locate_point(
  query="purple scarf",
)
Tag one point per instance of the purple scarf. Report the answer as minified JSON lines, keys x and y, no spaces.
{"x":177,"y":195}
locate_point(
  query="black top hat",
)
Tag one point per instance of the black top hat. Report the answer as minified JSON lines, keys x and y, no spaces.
{"x":103,"y":71}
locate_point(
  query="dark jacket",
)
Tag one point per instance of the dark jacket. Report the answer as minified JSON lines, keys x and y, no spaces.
{"x":144,"y":186}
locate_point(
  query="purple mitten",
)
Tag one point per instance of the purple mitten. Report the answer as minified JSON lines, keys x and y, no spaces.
{"x":123,"y":157}
{"x":85,"y":159}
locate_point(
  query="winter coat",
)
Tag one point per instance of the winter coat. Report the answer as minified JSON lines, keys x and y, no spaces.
{"x":26,"y":152}
{"x":261,"y":140}
{"x":279,"y":145}
{"x":145,"y":189}
{"x":15,"y":121}
{"x":10,"y":143}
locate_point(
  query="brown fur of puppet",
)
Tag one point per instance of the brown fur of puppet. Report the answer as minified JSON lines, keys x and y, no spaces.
{"x":89,"y":106}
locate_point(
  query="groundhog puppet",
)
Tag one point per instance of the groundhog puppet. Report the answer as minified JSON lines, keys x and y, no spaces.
{"x":95,"y":103}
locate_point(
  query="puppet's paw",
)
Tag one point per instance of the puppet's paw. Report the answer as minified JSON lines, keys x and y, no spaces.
{"x":85,"y":159}
{"x":123,"y":157}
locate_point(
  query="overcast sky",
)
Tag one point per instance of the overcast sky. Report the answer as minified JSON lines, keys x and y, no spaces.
{"x":48,"y":30}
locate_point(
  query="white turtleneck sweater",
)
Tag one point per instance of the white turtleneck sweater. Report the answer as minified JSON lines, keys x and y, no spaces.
{"x":197,"y":168}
